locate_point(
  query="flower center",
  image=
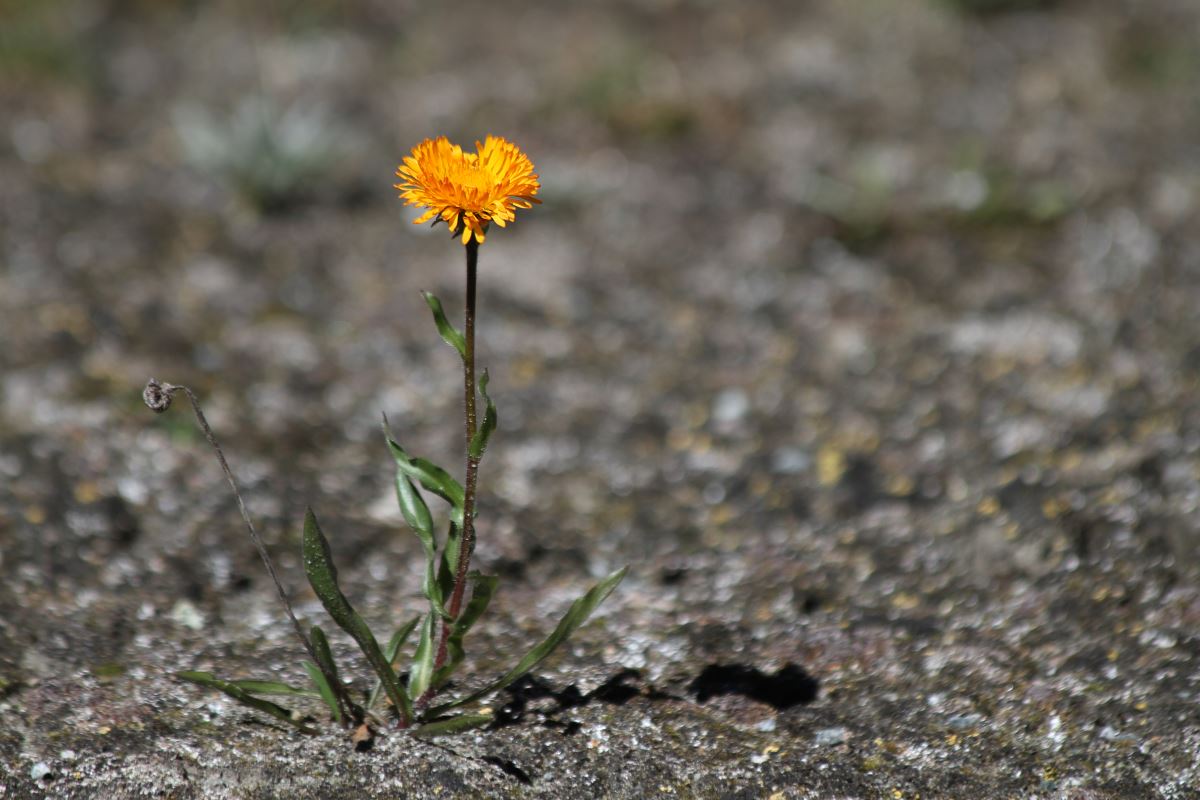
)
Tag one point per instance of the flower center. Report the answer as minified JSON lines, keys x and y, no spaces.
{"x":475,"y":178}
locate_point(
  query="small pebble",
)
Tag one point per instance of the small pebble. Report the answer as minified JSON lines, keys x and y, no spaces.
{"x":39,"y":770}
{"x":730,"y":406}
{"x":1111,"y":734}
{"x":962,"y":722}
{"x":790,"y":460}
{"x":828,"y":737}
{"x":187,"y":615}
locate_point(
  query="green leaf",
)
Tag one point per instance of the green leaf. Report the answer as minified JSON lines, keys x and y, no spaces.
{"x":322,"y":575}
{"x":422,"y":525}
{"x":413,"y":507}
{"x":480,"y":440}
{"x":484,"y":586}
{"x":271,"y":688}
{"x":576,"y":615}
{"x":391,"y":652}
{"x":207,"y":680}
{"x":443,"y":727}
{"x":450,"y":334}
{"x":448,"y":568}
{"x":324,"y":655}
{"x":328,"y":670}
{"x":323,"y":689}
{"x":428,"y":474}
{"x":421,"y":675}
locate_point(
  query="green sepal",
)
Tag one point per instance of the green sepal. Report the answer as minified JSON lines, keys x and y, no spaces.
{"x":576,"y":615}
{"x":322,"y":575}
{"x":390,"y":653}
{"x":420,"y":677}
{"x":323,"y":689}
{"x":480,"y":440}
{"x":443,"y":727}
{"x":484,"y":586}
{"x":449,"y":333}
{"x":244,"y":697}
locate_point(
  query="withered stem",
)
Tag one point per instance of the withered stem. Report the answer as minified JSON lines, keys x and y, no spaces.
{"x":165,"y":391}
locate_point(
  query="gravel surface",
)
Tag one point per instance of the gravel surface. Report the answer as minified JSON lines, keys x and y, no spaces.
{"x":865,"y":331}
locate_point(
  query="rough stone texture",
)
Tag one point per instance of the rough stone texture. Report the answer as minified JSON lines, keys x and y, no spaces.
{"x":864,"y":330}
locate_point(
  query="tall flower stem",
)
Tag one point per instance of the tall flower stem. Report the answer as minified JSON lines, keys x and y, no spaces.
{"x":158,"y":397}
{"x":467,"y":540}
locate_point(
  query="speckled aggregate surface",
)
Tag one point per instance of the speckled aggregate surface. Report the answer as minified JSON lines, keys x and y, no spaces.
{"x":864,"y":331}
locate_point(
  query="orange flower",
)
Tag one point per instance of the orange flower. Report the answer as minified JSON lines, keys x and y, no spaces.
{"x":468,"y":190}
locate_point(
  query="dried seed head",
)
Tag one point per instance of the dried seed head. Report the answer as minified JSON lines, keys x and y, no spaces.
{"x":157,"y":396}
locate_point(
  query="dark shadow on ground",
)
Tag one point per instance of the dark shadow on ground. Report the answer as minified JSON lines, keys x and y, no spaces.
{"x":532,"y":694}
{"x":790,"y":686}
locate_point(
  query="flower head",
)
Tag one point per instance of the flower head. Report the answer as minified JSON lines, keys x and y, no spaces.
{"x":468,"y":190}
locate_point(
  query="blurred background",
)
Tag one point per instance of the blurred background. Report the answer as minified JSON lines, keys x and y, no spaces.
{"x":855,"y":308}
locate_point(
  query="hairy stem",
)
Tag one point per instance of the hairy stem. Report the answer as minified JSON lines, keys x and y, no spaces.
{"x":467,"y":543}
{"x":158,"y":397}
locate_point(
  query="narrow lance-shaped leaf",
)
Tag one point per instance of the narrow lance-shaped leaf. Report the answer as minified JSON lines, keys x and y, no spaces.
{"x":449,"y":333}
{"x":271,"y":688}
{"x":479,"y":441}
{"x":428,"y":474}
{"x":448,"y":567}
{"x":323,"y":689}
{"x":578,"y":613}
{"x":484,"y":586}
{"x":323,"y":653}
{"x":318,"y":565}
{"x":390,"y":653}
{"x":421,"y":676}
{"x":327,"y":668}
{"x":412,"y":506}
{"x":206,"y":679}
{"x":462,"y":722}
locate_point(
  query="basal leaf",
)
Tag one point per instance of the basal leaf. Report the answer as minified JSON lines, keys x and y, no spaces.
{"x":449,"y":333}
{"x":318,"y":565}
{"x":320,"y":643}
{"x":576,"y":615}
{"x":323,"y":689}
{"x":484,"y":586}
{"x":391,"y":652}
{"x":280,"y":713}
{"x":479,"y":441}
{"x":271,"y":688}
{"x":329,"y":673}
{"x":421,"y":676}
{"x":462,"y":722}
